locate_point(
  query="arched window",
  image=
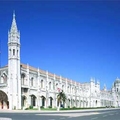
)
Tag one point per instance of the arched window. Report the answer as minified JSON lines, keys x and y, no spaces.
{"x":63,"y":87}
{"x":17,"y":54}
{"x":32,"y":81}
{"x":72,"y":90}
{"x":68,"y":89}
{"x":56,"y":86}
{"x":4,"y":77}
{"x":76,"y":90}
{"x":49,"y":85}
{"x":117,"y":89}
{"x":41,"y":83}
{"x":13,"y":51}
{"x":23,"y":78}
{"x":10,"y":52}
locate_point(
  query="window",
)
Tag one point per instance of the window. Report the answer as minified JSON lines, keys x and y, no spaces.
{"x":23,"y":78}
{"x":56,"y":86}
{"x":41,"y":83}
{"x":68,"y":90}
{"x":17,"y":53}
{"x":32,"y":81}
{"x":25,"y":90}
{"x":49,"y":85}
{"x":5,"y":77}
{"x":72,"y":90}
{"x":117,"y":89}
{"x":10,"y":52}
{"x":63,"y":87}
{"x":13,"y":51}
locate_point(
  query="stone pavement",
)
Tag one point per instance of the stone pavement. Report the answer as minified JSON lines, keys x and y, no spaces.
{"x":71,"y":114}
{"x":46,"y":111}
{"x":5,"y":118}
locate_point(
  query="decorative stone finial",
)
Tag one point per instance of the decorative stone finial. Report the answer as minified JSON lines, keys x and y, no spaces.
{"x":14,"y":14}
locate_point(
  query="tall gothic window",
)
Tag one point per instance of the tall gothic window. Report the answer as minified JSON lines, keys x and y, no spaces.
{"x":56,"y":86}
{"x":117,"y":89}
{"x":32,"y":81}
{"x":41,"y":83}
{"x":10,"y":52}
{"x":49,"y":85}
{"x":13,"y":51}
{"x":72,"y":90}
{"x":75,"y":90}
{"x":4,"y":78}
{"x":68,"y":89}
{"x":23,"y":78}
{"x":17,"y":53}
{"x":63,"y":87}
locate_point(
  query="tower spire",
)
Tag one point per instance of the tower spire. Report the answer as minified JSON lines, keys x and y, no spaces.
{"x":14,"y":25}
{"x":14,"y":83}
{"x":13,"y":12}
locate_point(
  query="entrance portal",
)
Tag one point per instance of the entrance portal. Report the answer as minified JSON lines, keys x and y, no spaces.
{"x":4,"y":103}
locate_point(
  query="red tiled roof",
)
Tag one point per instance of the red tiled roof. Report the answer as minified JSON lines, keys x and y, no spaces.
{"x":44,"y":72}
{"x":50,"y":74}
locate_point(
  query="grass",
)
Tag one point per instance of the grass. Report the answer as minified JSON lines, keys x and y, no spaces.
{"x":74,"y":108}
{"x":42,"y":108}
{"x":54,"y":109}
{"x":51,"y":109}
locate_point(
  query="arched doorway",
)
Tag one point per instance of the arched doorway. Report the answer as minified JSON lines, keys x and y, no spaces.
{"x":4,"y":104}
{"x":33,"y":100}
{"x":96,"y":103}
{"x":43,"y":101}
{"x":51,"y":99}
{"x":24,"y":99}
{"x":69,"y":103}
{"x":74,"y":103}
{"x":77,"y":103}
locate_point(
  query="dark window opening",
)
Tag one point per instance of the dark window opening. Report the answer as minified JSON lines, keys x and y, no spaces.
{"x":13,"y":51}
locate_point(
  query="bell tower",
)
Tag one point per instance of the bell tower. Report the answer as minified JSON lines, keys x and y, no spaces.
{"x":14,"y":83}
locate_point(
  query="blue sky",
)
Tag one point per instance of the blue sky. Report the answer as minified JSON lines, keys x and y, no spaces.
{"x":77,"y":40}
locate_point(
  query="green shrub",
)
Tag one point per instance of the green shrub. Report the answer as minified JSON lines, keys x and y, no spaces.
{"x":68,"y":106}
{"x":30,"y":107}
{"x":74,"y":107}
{"x":26,"y":108}
{"x":50,"y":107}
{"x":41,"y":106}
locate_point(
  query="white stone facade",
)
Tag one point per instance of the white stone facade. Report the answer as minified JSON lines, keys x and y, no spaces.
{"x":22,"y":86}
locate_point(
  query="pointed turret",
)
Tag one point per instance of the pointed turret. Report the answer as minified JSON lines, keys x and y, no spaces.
{"x":14,"y":25}
{"x":14,"y":34}
{"x":105,"y":88}
{"x":14,"y":66}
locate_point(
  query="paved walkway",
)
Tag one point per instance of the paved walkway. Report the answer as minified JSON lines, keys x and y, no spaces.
{"x":5,"y":118}
{"x":44,"y":111}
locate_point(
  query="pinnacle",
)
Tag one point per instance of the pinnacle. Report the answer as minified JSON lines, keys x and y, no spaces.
{"x":14,"y":25}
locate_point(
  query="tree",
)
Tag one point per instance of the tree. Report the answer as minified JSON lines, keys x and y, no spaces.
{"x":61,"y":98}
